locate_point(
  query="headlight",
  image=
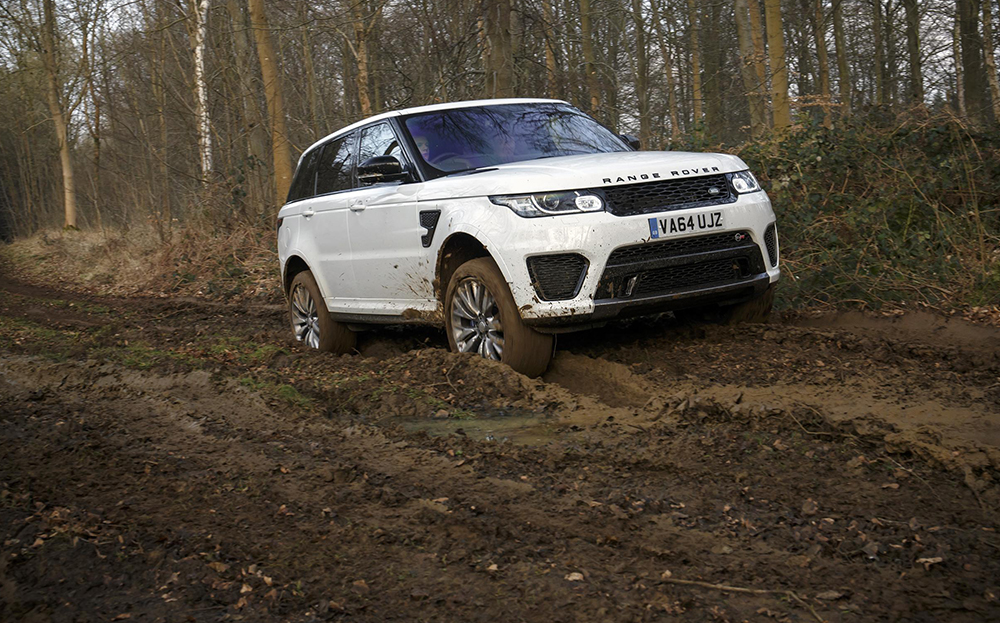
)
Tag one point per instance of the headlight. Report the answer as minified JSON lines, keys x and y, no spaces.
{"x":548,"y":204}
{"x":743,"y":182}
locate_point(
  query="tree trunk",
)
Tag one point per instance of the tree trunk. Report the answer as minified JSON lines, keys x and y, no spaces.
{"x":280,"y":150}
{"x":990,"y":59}
{"x":843,"y":70}
{"x":759,"y":51}
{"x":694,"y":30}
{"x":889,"y":40}
{"x":315,"y":116}
{"x":712,"y":56}
{"x":499,"y":61}
{"x":360,"y":50}
{"x":956,"y":48}
{"x":199,"y":31}
{"x":800,"y":42}
{"x":589,"y":66}
{"x":50,"y":59}
{"x":916,"y":94}
{"x":158,"y":84}
{"x":550,"y":51}
{"x":876,"y":6}
{"x":753,"y":87}
{"x":779,"y":69}
{"x":668,"y":71}
{"x":819,"y":33}
{"x":972,"y":63}
{"x":641,"y":73}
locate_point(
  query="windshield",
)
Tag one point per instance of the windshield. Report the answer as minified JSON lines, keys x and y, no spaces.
{"x":470,"y":138}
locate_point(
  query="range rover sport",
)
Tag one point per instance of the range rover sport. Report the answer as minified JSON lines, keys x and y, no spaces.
{"x":508,"y":221}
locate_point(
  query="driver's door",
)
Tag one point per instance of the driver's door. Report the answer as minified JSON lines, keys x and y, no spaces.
{"x":393,"y":269}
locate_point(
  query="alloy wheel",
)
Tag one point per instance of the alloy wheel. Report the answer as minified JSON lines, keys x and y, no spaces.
{"x":305,"y":316}
{"x":475,"y":320}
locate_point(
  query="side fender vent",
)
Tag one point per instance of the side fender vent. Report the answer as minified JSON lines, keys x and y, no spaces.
{"x":429,"y":221}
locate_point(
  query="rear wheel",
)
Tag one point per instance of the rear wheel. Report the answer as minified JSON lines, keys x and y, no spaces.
{"x":481,"y":318}
{"x":310,"y":320}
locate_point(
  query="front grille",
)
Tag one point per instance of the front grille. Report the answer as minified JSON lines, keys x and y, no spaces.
{"x":674,"y":266}
{"x":674,"y":248}
{"x":688,"y":192}
{"x":664,"y":280}
{"x":771,"y":242}
{"x":557,"y":277}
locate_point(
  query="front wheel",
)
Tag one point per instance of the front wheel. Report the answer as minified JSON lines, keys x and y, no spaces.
{"x":481,"y":318}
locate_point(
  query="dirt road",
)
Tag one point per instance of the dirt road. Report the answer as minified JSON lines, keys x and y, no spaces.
{"x":180,"y":460}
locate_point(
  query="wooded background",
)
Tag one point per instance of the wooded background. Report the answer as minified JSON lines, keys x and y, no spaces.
{"x":118,"y":113}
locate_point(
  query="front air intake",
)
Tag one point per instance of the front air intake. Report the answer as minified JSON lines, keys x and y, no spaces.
{"x":557,"y":277}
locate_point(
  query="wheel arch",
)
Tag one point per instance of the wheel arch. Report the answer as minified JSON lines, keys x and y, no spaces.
{"x":293,"y":266}
{"x":457,"y":249}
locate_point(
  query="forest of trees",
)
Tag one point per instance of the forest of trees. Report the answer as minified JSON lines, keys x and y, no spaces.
{"x":159,"y":111}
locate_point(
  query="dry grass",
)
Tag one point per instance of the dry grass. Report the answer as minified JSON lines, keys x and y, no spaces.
{"x":237,"y":264}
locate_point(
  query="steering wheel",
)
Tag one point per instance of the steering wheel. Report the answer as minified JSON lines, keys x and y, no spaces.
{"x":445,"y":156}
{"x":455,"y":157}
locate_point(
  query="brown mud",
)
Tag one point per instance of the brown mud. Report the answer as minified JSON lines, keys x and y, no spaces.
{"x":180,"y":460}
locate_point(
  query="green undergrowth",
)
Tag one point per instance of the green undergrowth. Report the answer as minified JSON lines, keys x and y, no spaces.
{"x":880,"y":213}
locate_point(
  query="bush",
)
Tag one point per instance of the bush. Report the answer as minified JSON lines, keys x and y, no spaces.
{"x":871,"y":213}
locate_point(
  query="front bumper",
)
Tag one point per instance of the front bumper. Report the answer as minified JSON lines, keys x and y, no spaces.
{"x":610,"y":289}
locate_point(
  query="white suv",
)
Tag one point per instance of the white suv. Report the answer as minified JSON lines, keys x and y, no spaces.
{"x":508,"y":221}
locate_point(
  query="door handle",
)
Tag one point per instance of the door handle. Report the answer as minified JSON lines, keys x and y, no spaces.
{"x":359,"y":206}
{"x":308,"y":213}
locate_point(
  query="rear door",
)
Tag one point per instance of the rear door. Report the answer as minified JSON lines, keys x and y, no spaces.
{"x":326,"y":223}
{"x":393,"y":268}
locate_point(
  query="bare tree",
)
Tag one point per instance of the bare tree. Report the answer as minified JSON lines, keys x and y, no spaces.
{"x":916,"y":94}
{"x":819,"y":34}
{"x":198,"y":30}
{"x":51,"y":62}
{"x":695,"y":33}
{"x":668,"y":72}
{"x":843,"y":69}
{"x":753,"y":86}
{"x":280,"y":151}
{"x":989,"y":59}
{"x":779,"y":69}
{"x":589,"y":65}
{"x":499,"y":57}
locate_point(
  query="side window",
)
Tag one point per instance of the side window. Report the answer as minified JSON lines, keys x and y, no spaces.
{"x":336,"y":166}
{"x":379,"y":140}
{"x":304,"y":184}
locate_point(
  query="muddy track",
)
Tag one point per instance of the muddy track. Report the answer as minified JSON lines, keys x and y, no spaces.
{"x":181,"y":460}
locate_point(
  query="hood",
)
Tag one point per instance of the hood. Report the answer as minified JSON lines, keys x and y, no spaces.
{"x":578,"y":172}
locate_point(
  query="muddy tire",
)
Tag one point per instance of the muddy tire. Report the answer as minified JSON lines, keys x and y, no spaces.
{"x":311,"y":322}
{"x":481,"y":317}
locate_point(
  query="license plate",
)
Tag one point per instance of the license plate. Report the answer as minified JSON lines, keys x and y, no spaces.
{"x":671,"y":225}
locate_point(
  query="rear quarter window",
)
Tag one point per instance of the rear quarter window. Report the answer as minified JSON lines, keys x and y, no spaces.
{"x":304,"y":184}
{"x":336,"y":166}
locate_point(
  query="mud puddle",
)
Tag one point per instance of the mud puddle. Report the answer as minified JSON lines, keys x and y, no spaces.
{"x":521,"y":430}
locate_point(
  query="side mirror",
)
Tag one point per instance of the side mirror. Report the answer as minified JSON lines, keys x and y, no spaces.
{"x":632,"y":141}
{"x":381,"y":169}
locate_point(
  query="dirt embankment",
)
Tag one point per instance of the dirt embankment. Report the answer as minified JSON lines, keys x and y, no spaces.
{"x":177,"y":460}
